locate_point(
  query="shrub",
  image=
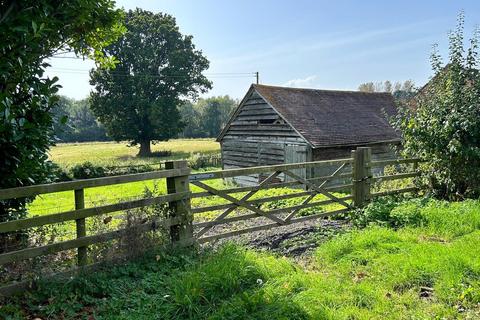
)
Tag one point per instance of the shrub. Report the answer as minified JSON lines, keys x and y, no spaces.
{"x":407,"y":214}
{"x":199,"y":161}
{"x":119,"y":170}
{"x":87,"y":170}
{"x":443,"y":126}
{"x":391,"y":211}
{"x":59,"y":174}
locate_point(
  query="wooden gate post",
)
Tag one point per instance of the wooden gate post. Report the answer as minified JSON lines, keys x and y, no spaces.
{"x":362,"y":174}
{"x":183,"y":232}
{"x":81,"y":227}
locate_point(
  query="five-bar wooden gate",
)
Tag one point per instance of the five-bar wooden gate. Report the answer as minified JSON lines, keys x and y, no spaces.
{"x":307,"y":191}
{"x":347,"y":186}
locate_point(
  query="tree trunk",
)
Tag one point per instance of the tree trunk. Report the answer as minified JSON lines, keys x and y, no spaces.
{"x":145,"y":150}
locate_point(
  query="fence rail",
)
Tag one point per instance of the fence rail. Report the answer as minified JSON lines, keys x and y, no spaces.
{"x":187,"y":223}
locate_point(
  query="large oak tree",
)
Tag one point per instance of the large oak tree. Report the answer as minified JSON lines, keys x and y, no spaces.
{"x":158,"y":67}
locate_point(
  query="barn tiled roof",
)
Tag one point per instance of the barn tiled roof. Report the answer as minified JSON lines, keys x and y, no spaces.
{"x":328,"y":118}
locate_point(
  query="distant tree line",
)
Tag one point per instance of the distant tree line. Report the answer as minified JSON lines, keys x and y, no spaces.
{"x":75,"y":122}
{"x":400,"y":90}
{"x":205,"y":118}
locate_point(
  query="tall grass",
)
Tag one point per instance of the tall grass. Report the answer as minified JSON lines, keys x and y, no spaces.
{"x":424,"y":270}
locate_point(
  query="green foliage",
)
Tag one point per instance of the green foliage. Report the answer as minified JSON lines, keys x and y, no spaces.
{"x":87,"y":170}
{"x":430,"y":271}
{"x":377,"y":212}
{"x":200,"y":161}
{"x":60,"y":174}
{"x":390,"y":211}
{"x":157,"y":67}
{"x":32,"y":31}
{"x":75,"y":122}
{"x":206,"y":117}
{"x":443,"y":125}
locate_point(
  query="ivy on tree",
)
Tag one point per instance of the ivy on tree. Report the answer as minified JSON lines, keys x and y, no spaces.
{"x":442,"y":123}
{"x":157,"y":68}
{"x":33,"y":30}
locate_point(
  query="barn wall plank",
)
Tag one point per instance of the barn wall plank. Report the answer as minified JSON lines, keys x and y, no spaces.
{"x":252,"y":141}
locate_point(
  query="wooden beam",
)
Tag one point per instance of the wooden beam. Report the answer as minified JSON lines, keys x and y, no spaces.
{"x":263,"y":169}
{"x":180,"y":209}
{"x":275,"y":212}
{"x":81,"y":227}
{"x":84,"y":241}
{"x":309,"y":198}
{"x":237,"y":201}
{"x":382,"y":163}
{"x":38,"y":221}
{"x":319,"y":190}
{"x":28,"y":191}
{"x":269,"y":226}
{"x":244,"y":198}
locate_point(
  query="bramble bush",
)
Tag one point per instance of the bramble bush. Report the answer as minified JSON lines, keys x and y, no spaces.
{"x":391,"y":211}
{"x":442,"y":123}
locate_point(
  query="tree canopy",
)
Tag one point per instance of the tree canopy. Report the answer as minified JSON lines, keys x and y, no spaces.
{"x":400,"y":91}
{"x":157,"y":68}
{"x":74,"y":121}
{"x":33,"y":30}
{"x":207,"y":117}
{"x":442,"y":123}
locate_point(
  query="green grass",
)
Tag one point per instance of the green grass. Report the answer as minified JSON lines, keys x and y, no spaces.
{"x":114,"y":154}
{"x":372,"y":273}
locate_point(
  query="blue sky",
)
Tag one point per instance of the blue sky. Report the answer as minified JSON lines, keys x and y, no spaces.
{"x":304,"y":43}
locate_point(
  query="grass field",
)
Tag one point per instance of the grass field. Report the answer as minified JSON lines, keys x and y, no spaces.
{"x":113,"y":153}
{"x":428,"y":269}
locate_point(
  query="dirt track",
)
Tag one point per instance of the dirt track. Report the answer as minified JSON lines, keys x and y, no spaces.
{"x":296,"y":240}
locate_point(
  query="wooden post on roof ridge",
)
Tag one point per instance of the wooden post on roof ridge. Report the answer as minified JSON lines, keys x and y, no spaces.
{"x":181,"y":233}
{"x":361,"y":175}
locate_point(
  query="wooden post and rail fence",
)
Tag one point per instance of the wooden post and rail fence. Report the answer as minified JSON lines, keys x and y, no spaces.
{"x":187,"y":224}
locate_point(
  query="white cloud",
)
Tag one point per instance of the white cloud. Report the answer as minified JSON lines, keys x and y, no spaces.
{"x":301,"y":83}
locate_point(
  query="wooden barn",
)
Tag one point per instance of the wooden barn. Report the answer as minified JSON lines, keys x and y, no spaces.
{"x":276,"y":125}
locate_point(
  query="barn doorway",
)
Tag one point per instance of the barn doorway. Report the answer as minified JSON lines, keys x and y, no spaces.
{"x":296,"y":154}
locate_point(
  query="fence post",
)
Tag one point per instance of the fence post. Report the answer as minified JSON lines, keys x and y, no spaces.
{"x":362,"y":174}
{"x":81,"y":227}
{"x":183,"y":232}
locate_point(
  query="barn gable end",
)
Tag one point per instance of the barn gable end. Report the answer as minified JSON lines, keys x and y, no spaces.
{"x":256,"y":136}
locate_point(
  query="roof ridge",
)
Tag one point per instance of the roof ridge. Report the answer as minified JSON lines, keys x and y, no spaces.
{"x":322,"y":90}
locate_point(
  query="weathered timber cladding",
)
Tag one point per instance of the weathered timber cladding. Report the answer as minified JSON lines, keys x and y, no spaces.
{"x":257,"y":137}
